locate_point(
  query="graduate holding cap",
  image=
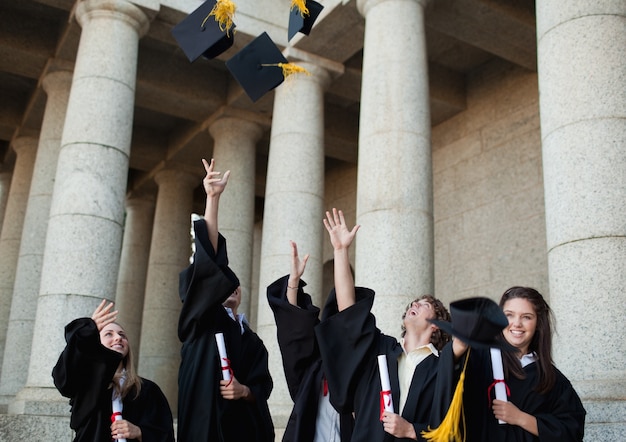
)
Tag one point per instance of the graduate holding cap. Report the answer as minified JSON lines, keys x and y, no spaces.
{"x":350,"y":344}
{"x":211,"y":408}
{"x":541,"y":405}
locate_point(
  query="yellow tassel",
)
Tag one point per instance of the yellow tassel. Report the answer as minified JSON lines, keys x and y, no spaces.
{"x":449,"y":429}
{"x":224,"y":13}
{"x":289,"y":69}
{"x":301,"y":5}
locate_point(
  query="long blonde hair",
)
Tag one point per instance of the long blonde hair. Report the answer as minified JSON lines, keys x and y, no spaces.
{"x":132,"y":381}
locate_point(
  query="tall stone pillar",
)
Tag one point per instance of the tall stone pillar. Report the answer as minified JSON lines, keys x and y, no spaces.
{"x":582,"y":79}
{"x":5,"y":184}
{"x":11,"y":235}
{"x":294,"y":198}
{"x":394,"y":249}
{"x":28,"y":274}
{"x":170,"y":250}
{"x":131,"y":280}
{"x":235,"y":150}
{"x":81,"y":256}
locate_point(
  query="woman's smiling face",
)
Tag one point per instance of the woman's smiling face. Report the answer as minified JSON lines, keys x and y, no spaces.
{"x":522,"y":323}
{"x":114,"y":337}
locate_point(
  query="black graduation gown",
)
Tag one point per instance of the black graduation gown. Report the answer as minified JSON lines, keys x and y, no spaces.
{"x":84,"y":372}
{"x":560,"y":413}
{"x":350,"y":343}
{"x":203,"y":415}
{"x":302,"y":362}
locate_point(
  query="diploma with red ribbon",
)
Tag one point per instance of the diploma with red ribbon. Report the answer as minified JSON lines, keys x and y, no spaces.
{"x":498,"y":378}
{"x":117,"y":412}
{"x":224,"y":361}
{"x":386,"y":401}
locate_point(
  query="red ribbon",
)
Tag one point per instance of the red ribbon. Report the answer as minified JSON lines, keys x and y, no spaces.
{"x":491,"y":387}
{"x":117,"y":413}
{"x":230,"y":370}
{"x":325,"y":387}
{"x":385,"y":399}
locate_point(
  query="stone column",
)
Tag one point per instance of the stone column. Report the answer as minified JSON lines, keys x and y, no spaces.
{"x":11,"y":235}
{"x":170,"y":250}
{"x":235,"y":150}
{"x":5,"y":184}
{"x":28,"y":274}
{"x":582,"y":84}
{"x":81,"y":256}
{"x":394,"y":249}
{"x":294,"y":198}
{"x":131,"y":280}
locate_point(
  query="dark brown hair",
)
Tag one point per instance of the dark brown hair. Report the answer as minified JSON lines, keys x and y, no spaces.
{"x":541,"y":342}
{"x":439,"y":338}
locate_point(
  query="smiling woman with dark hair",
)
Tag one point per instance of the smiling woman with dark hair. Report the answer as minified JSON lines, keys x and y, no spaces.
{"x":542,"y":405}
{"x":108,"y":399}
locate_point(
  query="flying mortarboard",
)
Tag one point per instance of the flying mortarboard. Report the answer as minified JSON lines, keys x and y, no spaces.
{"x":207,"y":31}
{"x":260,"y":66}
{"x":302,"y":15}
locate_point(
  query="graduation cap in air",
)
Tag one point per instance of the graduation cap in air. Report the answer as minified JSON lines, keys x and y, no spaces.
{"x":207,"y":31}
{"x":260,"y":66}
{"x":302,"y":15}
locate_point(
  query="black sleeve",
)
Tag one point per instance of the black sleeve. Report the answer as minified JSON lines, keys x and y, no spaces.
{"x":84,"y":368}
{"x":154,"y":416}
{"x":566,"y":419}
{"x":348,"y":342}
{"x":204,"y":285}
{"x":295,"y":331}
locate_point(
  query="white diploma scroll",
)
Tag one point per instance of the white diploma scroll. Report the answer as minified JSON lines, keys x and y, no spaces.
{"x":385,"y":394}
{"x":498,"y":376}
{"x":221,"y":347}
{"x":117,"y":412}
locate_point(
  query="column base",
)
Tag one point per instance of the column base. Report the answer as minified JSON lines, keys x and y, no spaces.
{"x":606,"y":420}
{"x":21,"y":427}
{"x":42,"y":401}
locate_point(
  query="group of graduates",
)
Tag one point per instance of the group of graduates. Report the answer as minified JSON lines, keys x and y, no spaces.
{"x":347,"y":379}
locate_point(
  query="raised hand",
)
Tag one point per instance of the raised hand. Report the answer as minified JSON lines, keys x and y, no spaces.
{"x":340,"y":236}
{"x":213,"y":183}
{"x":103,"y":315}
{"x":297,"y":265}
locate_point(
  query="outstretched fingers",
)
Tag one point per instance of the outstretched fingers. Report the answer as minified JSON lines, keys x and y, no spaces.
{"x":103,"y":315}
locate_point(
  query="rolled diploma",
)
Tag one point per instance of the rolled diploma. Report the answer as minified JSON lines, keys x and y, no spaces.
{"x":498,"y":374}
{"x":384,"y":381}
{"x":117,"y":408}
{"x":221,"y":348}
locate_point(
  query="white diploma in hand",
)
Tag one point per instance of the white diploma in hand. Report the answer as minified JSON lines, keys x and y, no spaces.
{"x":117,"y":412}
{"x":386,"y":402}
{"x":221,"y":347}
{"x":498,"y":376}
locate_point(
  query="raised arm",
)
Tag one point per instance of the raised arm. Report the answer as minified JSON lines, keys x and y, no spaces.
{"x":297,"y":269}
{"x":341,"y":238}
{"x":214,"y":185}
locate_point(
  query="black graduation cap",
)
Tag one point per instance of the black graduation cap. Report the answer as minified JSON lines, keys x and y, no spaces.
{"x":200,"y":34}
{"x":476,"y":321}
{"x":300,"y":21}
{"x":256,"y":66}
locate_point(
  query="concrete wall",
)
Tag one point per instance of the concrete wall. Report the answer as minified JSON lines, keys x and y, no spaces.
{"x":488,"y":189}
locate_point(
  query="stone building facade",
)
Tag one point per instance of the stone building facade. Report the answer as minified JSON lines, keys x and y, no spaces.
{"x":479,"y":143}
